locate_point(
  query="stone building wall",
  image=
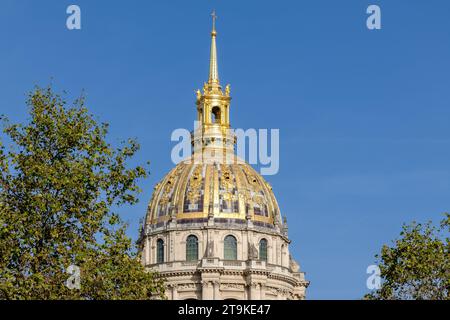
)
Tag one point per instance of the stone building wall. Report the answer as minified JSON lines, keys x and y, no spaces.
{"x":213,"y":277}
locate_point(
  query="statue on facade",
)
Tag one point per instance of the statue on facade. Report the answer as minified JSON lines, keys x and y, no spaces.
{"x":210,"y":249}
{"x":293,"y":265}
{"x":227,"y":90}
{"x":252,"y":252}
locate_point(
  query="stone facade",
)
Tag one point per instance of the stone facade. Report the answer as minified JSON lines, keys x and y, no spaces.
{"x":213,"y":277}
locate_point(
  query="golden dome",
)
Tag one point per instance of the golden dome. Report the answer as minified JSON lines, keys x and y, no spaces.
{"x":213,"y":190}
{"x":208,"y":185}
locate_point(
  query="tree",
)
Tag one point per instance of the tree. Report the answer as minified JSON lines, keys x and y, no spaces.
{"x":417,"y":266}
{"x":60,"y":182}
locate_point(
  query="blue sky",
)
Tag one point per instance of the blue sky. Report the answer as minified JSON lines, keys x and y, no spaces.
{"x":363,"y":115}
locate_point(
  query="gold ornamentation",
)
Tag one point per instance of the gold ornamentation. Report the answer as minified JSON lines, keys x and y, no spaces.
{"x":195,"y":183}
{"x":245,"y":195}
{"x":167,"y":191}
{"x":259,"y":199}
{"x":227,"y":196}
{"x":252,"y":179}
{"x":228,"y":185}
{"x":226,"y":181}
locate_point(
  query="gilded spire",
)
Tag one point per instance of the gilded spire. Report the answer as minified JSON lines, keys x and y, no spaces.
{"x":213,"y":69}
{"x":213,"y":110}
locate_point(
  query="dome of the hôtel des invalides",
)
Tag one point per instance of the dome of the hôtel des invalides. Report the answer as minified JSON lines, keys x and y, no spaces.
{"x":213,"y":228}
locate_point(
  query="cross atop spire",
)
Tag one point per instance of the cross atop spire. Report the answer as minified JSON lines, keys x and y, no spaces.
{"x":214,"y":17}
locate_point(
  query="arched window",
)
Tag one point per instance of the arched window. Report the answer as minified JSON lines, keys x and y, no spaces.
{"x":263,"y":250}
{"x":215,"y":115}
{"x":230,"y":248}
{"x":191,"y":248}
{"x":160,"y":251}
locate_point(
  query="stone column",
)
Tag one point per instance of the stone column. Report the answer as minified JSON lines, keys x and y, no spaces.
{"x":207,"y":290}
{"x":246,"y":239}
{"x":170,"y":250}
{"x":278,"y":252}
{"x":147,"y":251}
{"x":255,"y":291}
{"x":174,"y":292}
{"x":152,"y":250}
{"x":273,"y":251}
{"x":217,"y":295}
{"x":262,"y":292}
{"x":284,"y":256}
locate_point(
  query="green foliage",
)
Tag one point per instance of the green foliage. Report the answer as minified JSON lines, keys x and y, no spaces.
{"x":59,"y":183}
{"x":417,"y":266}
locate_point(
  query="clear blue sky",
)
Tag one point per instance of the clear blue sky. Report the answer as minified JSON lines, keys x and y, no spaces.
{"x":364,"y":116}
